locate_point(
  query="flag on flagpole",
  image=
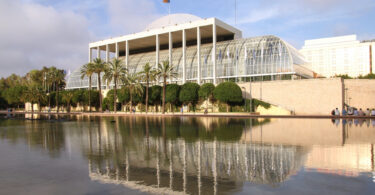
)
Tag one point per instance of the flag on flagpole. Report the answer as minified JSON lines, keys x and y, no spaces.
{"x":166,"y":1}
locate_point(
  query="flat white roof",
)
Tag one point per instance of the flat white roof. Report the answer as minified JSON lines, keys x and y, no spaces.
{"x":331,"y":40}
{"x":147,"y":38}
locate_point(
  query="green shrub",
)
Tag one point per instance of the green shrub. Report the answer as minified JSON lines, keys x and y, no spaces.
{"x":229,"y":93}
{"x":155,"y":94}
{"x":206,"y":91}
{"x":189,"y":94}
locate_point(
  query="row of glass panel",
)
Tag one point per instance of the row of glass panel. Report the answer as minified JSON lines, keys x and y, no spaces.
{"x":236,"y":58}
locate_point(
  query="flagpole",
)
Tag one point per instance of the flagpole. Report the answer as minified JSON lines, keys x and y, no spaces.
{"x":235,"y":12}
{"x":169,"y":12}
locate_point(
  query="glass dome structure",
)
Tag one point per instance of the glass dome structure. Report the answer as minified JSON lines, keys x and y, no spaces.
{"x":238,"y":58}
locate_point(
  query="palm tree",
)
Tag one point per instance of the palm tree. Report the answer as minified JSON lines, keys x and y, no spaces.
{"x":99,"y":67}
{"x":131,"y":82}
{"x":165,"y":71}
{"x":115,"y":70}
{"x":67,"y":97}
{"x":28,"y":96}
{"x":88,"y":70}
{"x":58,"y":79}
{"x":39,"y":95}
{"x":148,"y":75}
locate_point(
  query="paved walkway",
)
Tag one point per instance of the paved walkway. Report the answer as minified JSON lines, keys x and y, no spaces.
{"x":197,"y":114}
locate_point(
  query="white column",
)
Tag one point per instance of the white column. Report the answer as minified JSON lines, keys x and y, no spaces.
{"x":117,"y":51}
{"x":90,"y":54}
{"x":199,"y":55}
{"x":170,"y":51}
{"x":127,"y":53}
{"x":97,"y":52}
{"x":183,"y":56}
{"x":170,"y":47}
{"x":157,"y":51}
{"x":107,"y":53}
{"x":214,"y":52}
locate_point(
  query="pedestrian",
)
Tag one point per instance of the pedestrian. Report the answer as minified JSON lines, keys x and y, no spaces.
{"x":337,"y":112}
{"x":333,"y":112}
{"x":355,"y":113}
{"x":368,"y":113}
{"x":344,"y":112}
{"x":182,"y":110}
{"x":350,"y":111}
{"x":361,"y":113}
{"x":373,"y":112}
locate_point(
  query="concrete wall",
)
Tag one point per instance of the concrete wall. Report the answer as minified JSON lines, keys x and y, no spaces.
{"x":309,"y":96}
{"x":314,"y":96}
{"x":360,"y":93}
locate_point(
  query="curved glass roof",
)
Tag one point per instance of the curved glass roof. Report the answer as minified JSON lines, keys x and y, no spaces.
{"x":250,"y":57}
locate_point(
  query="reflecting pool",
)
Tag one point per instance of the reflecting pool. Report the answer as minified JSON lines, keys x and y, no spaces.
{"x":185,"y":155}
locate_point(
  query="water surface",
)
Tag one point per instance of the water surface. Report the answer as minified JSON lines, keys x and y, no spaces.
{"x":172,"y":155}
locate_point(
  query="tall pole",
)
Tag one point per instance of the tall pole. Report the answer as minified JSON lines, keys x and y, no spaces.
{"x":235,"y":12}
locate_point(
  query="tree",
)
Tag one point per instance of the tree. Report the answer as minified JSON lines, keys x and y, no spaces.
{"x":87,"y":70}
{"x":67,"y":97}
{"x":123,"y":96}
{"x":131,"y":83}
{"x":13,"y":95}
{"x":39,"y":95}
{"x":172,"y":92}
{"x":58,"y":79}
{"x":107,"y":101}
{"x":148,"y":75}
{"x":114,"y":71}
{"x":78,"y":97}
{"x":28,"y":96}
{"x":228,"y":92}
{"x":189,"y":94}
{"x":165,"y":71}
{"x":344,"y":76}
{"x":206,"y":91}
{"x":155,"y":92}
{"x":99,"y":67}
{"x":368,"y":76}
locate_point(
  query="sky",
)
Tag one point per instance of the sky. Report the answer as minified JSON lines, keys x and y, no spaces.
{"x":37,"y":33}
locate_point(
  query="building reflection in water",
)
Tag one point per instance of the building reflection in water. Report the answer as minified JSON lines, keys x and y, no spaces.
{"x":201,"y":155}
{"x":189,"y":155}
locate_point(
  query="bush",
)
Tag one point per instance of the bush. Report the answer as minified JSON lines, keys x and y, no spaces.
{"x":78,"y":97}
{"x":189,"y":93}
{"x":155,"y":94}
{"x":206,"y":91}
{"x":171,"y":93}
{"x":123,"y":96}
{"x":94,"y":98}
{"x":229,"y":93}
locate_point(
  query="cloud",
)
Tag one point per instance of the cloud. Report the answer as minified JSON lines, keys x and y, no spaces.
{"x":34,"y":35}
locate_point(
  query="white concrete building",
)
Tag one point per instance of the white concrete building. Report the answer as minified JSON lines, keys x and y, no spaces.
{"x":340,"y":55}
{"x":201,"y":50}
